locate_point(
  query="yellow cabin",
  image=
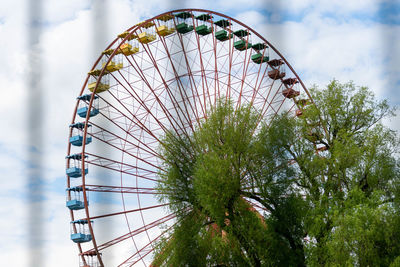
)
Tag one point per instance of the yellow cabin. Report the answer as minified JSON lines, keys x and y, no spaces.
{"x":118,"y":52}
{"x":95,"y":72}
{"x":166,"y":17}
{"x":145,"y":37}
{"x":171,"y":30}
{"x":111,"y":66}
{"x":123,"y":35}
{"x":100,"y":88}
{"x":163,"y":30}
{"x":108,"y":51}
{"x":128,"y":50}
{"x":148,"y":24}
{"x":126,"y":33}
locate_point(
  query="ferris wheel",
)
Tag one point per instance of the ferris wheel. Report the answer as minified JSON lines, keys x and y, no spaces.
{"x":160,"y":75}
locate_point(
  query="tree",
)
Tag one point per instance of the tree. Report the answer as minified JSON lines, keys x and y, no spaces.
{"x":320,"y":179}
{"x":355,"y":179}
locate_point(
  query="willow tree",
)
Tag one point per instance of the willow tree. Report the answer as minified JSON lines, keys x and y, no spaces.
{"x":352,"y":185}
{"x":314,"y":178}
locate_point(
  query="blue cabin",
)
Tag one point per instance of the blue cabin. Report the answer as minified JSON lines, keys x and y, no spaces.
{"x":76,"y":138}
{"x":75,"y":204}
{"x":84,"y":106}
{"x":81,"y":235}
{"x":74,"y":198}
{"x":74,"y":169}
{"x":75,"y":172}
{"x":81,"y":238}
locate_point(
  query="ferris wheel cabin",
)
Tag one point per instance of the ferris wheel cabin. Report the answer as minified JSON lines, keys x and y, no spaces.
{"x":222,"y":35}
{"x":198,"y":25}
{"x":278,"y":71}
{"x":80,"y":231}
{"x":183,"y":25}
{"x":75,"y":198}
{"x":204,"y":26}
{"x":166,"y":25}
{"x":76,"y":138}
{"x":260,"y":57}
{"x":90,"y":259}
{"x":84,"y":106}
{"x":74,"y":170}
{"x":104,"y":83}
{"x":148,"y":33}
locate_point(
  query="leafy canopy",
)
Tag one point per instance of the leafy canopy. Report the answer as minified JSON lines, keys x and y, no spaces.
{"x":325,"y":184}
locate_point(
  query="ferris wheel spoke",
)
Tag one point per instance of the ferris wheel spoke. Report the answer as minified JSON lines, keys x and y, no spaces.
{"x":128,"y":211}
{"x":276,"y":111}
{"x":136,"y":122}
{"x":170,"y":118}
{"x":255,"y":204}
{"x":230,"y":58}
{"x":147,"y":249}
{"x":189,"y":71}
{"x":97,"y":159}
{"x":141,"y":125}
{"x":250,"y":81}
{"x":137,"y":98}
{"x":170,"y":94}
{"x":121,"y":167}
{"x":222,"y":56}
{"x":135,"y":232}
{"x":163,"y":80}
{"x":142,"y":104}
{"x":118,"y":166}
{"x":116,"y":140}
{"x":238,"y":62}
{"x":245,"y":64}
{"x":184,"y":95}
{"x":217,"y":95}
{"x":268,"y":103}
{"x":257,"y":85}
{"x":206,"y":90}
{"x":122,"y":189}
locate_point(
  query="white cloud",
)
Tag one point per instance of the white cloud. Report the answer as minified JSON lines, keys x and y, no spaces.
{"x":60,"y":11}
{"x":319,"y":48}
{"x":334,"y":6}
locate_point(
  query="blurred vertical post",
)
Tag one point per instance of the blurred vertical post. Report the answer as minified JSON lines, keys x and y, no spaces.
{"x":389,"y":20}
{"x":274,"y":29}
{"x":100,"y":41}
{"x":34,"y":130}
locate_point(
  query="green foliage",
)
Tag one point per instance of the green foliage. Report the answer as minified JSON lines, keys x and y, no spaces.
{"x":189,"y":245}
{"x":349,"y":224}
{"x":364,"y":233}
{"x":338,"y":206}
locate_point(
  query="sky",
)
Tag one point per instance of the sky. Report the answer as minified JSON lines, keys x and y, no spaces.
{"x":353,"y":40}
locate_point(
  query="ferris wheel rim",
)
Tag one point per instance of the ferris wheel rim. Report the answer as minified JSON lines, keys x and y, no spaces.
{"x":85,"y":132}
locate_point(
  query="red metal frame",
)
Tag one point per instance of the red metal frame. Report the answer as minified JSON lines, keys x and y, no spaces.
{"x":152,"y":96}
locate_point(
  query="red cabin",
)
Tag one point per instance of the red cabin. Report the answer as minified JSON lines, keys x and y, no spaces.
{"x":277,"y":71}
{"x":290,"y":93}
